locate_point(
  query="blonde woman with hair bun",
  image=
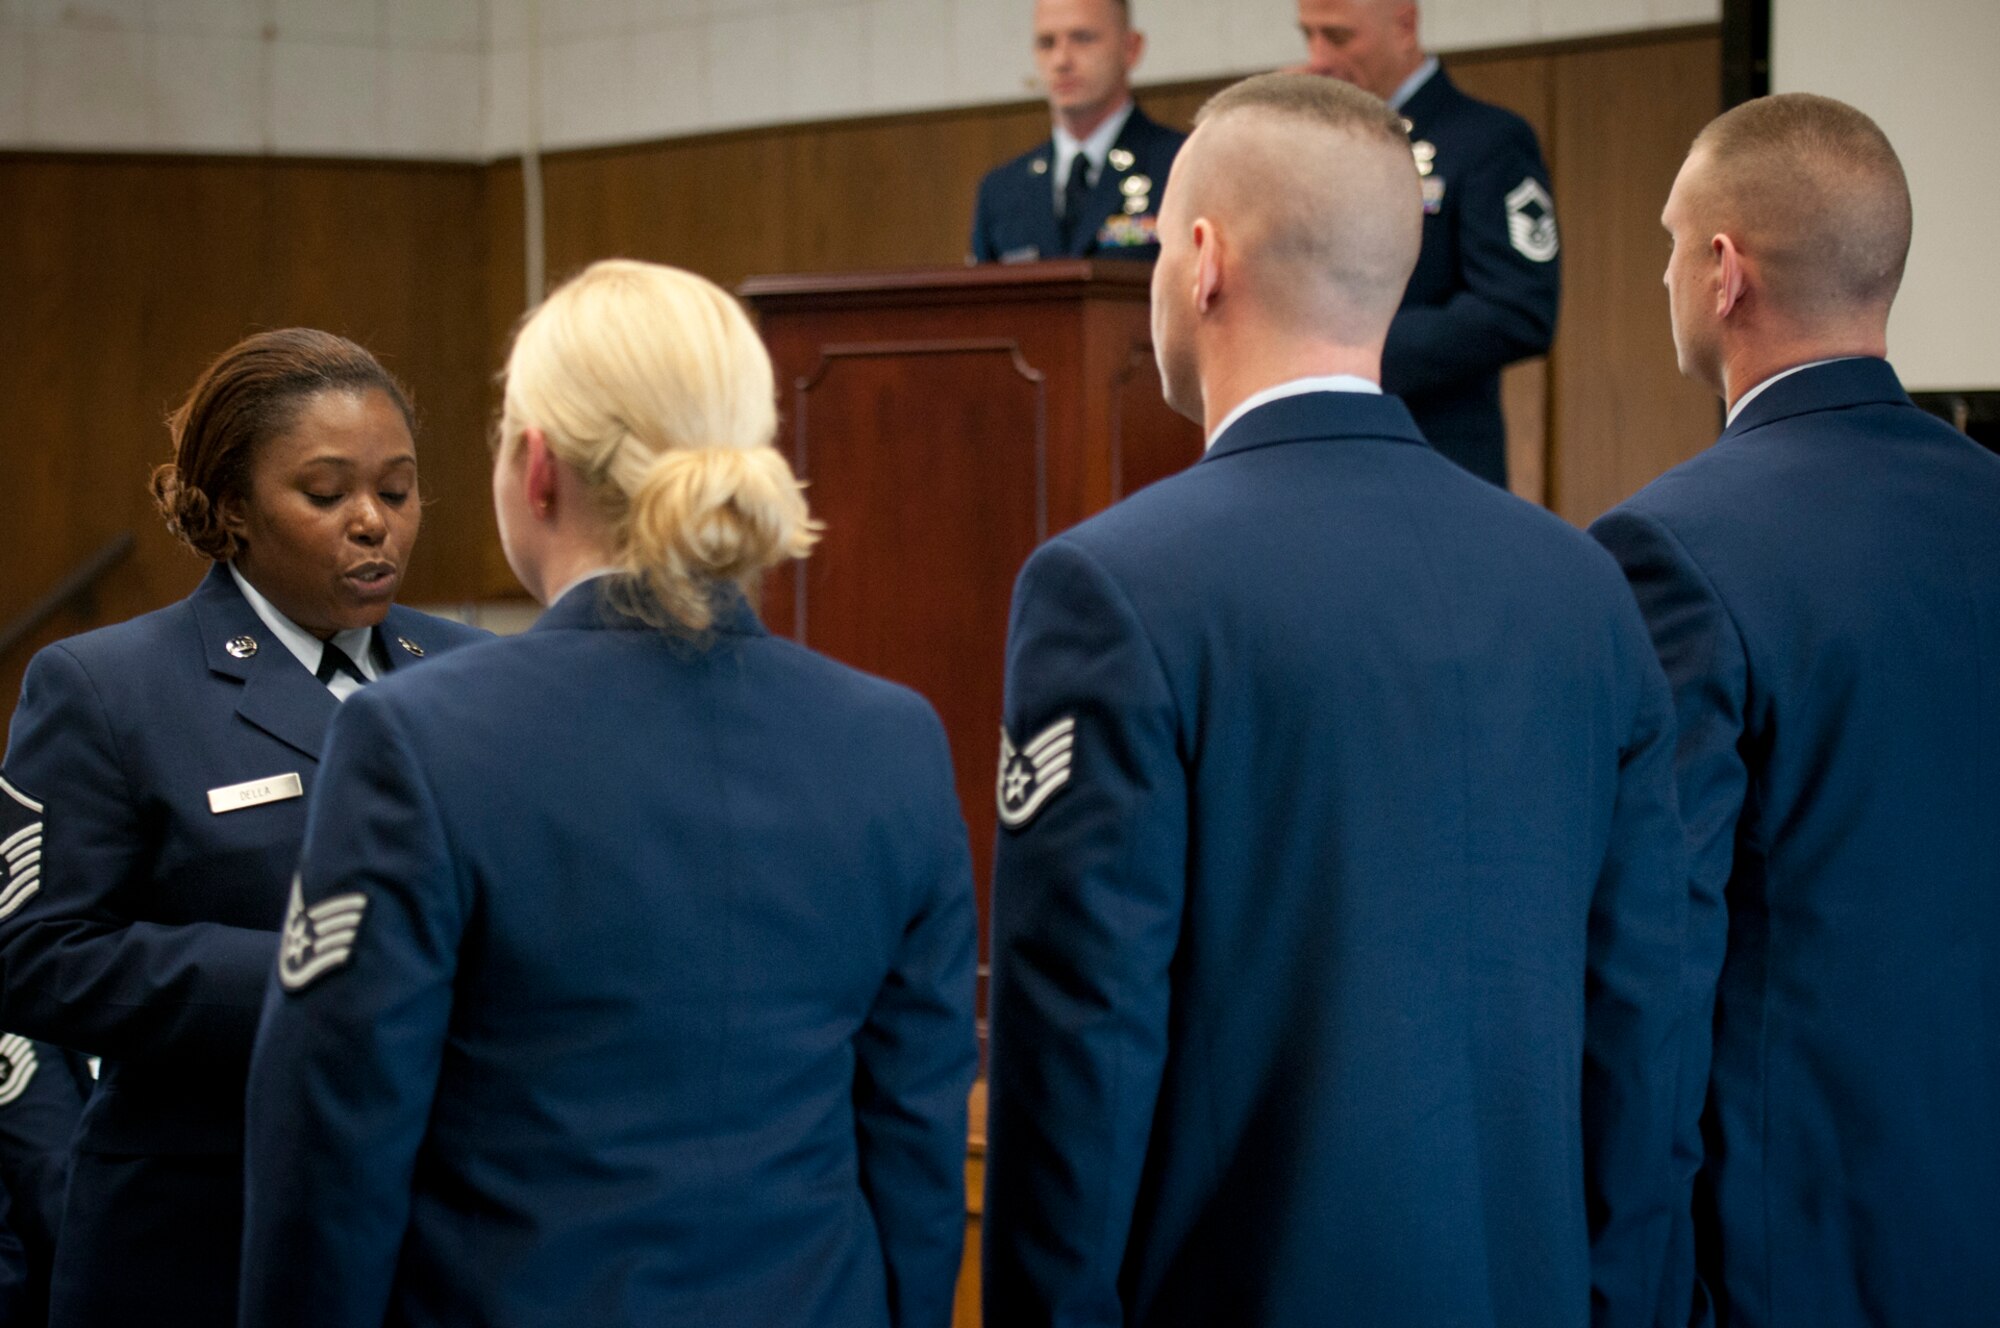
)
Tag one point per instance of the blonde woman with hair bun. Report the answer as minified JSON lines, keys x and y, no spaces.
{"x":639,"y":948}
{"x":651,"y":386}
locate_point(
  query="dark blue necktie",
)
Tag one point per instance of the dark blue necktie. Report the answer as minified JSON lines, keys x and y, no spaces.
{"x":1076,"y":193}
{"x":333,"y":660}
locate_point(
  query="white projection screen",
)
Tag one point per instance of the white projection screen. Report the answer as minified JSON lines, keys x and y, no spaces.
{"x":1928,"y":71}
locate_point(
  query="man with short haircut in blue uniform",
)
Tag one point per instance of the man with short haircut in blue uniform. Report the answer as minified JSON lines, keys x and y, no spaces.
{"x":1485,"y":291}
{"x":1823,"y":586}
{"x":1092,"y":189}
{"x":1340,"y":893}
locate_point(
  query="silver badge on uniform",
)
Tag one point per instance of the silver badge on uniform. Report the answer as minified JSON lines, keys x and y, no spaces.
{"x":319,"y":938}
{"x":20,"y":848}
{"x":416,"y":651}
{"x":1531,"y":222}
{"x":1032,"y":775}
{"x":1120,"y":159}
{"x":241,"y":647}
{"x":17,"y":1066}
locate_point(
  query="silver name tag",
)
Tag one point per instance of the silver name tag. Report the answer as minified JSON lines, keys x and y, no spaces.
{"x":255,"y":792}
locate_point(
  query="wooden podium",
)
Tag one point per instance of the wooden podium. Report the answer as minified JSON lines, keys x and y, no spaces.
{"x":948,"y":421}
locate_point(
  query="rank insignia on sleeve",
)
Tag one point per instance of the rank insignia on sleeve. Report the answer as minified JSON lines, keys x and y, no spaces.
{"x":20,"y":848}
{"x":17,"y":1066}
{"x":319,"y":938}
{"x":1032,"y":775}
{"x":1531,"y":222}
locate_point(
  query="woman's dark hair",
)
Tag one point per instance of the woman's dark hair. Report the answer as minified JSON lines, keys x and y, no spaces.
{"x":253,"y":392}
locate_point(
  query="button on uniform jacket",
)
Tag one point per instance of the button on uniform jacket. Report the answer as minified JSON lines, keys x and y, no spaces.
{"x":1337,"y":934}
{"x":147,"y":931}
{"x":1488,"y":280}
{"x":631,"y":983}
{"x":1014,"y":219}
{"x":1823,"y":586}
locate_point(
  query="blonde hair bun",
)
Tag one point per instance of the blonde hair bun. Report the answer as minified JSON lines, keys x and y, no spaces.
{"x":651,"y":383}
{"x":714,"y":514}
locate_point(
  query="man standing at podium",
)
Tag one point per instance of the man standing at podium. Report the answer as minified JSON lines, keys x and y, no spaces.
{"x":1485,"y":290}
{"x":1336,"y":967}
{"x":1092,"y":190}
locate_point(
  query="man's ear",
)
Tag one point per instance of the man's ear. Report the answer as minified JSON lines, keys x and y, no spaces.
{"x":1209,"y":261}
{"x":1732,"y":277}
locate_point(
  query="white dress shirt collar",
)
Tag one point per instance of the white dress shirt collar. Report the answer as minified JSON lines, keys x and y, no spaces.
{"x":357,"y":642}
{"x":1780,"y":376}
{"x":1298,"y":387}
{"x":1408,"y":87}
{"x":1094,"y":149}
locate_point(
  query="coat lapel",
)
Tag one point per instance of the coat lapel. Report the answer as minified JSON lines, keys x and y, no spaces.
{"x":1048,"y":228}
{"x":279,"y":695}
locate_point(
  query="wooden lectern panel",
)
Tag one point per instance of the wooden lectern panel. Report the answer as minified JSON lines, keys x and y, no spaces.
{"x":947,"y":422}
{"x":928,"y":463}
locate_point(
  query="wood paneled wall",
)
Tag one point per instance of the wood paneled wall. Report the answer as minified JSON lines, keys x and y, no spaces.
{"x":1602,"y":415}
{"x":120,"y":277}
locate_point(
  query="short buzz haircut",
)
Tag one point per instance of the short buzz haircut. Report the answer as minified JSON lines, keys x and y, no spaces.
{"x":1816,"y":186}
{"x":1324,"y":192}
{"x":1328,"y":102}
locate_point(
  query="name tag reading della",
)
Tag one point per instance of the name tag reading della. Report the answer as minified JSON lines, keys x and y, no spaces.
{"x":255,"y":793}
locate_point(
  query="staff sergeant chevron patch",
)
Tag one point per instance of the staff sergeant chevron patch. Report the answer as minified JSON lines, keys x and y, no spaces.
{"x":1031,"y":776}
{"x":17,"y":1066}
{"x":20,"y":848}
{"x":319,"y":938}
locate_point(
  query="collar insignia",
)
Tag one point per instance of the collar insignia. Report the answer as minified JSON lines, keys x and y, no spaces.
{"x":240,"y":647}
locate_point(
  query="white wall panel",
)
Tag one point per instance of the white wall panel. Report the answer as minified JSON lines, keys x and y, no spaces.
{"x":353,"y":77}
{"x":1926,"y":77}
{"x":325,"y":99}
{"x":87,"y":88}
{"x":209,"y":89}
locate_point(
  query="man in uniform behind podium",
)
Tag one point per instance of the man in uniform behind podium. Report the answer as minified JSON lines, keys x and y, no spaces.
{"x":1091,"y":190}
{"x":1486,"y":286}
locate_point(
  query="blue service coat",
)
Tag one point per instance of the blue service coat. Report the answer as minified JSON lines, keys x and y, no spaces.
{"x":42,"y":1092}
{"x":1338,"y":906}
{"x":1488,"y":280}
{"x":630,"y":983}
{"x":1014,"y":219}
{"x":147,"y":934}
{"x":1823,"y":586}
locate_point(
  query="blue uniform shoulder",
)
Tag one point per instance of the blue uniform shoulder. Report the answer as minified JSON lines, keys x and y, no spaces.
{"x":1465,"y":122}
{"x":1016,"y":170}
{"x":135,"y":641}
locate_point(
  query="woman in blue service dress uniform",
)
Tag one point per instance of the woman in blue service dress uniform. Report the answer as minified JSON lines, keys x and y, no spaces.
{"x":163,"y":764}
{"x":628,"y":979}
